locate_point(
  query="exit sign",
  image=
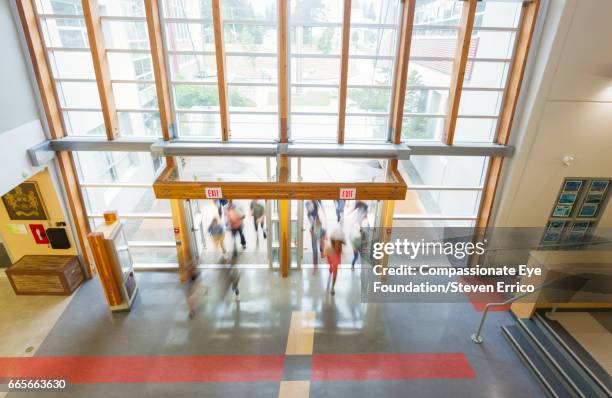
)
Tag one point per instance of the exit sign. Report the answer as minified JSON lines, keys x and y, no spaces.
{"x":213,"y":193}
{"x":348,"y":193}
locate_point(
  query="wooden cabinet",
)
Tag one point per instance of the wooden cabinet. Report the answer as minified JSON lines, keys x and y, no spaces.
{"x":46,"y":275}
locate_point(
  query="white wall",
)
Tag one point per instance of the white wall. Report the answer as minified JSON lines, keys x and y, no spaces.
{"x":567,"y":111}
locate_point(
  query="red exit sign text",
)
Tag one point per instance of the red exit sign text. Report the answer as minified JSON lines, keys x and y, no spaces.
{"x":348,"y":193}
{"x":213,"y":193}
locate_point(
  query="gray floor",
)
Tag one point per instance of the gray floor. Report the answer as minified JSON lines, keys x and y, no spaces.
{"x":158,"y":325}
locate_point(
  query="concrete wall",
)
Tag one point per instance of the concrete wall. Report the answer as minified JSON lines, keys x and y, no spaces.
{"x":567,"y":111}
{"x":17,"y":104}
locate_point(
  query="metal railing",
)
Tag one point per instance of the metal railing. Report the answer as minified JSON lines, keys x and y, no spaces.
{"x":476,"y":337}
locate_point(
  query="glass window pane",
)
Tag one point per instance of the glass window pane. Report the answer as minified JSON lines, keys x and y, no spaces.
{"x":157,"y":255}
{"x":314,"y":99}
{"x":498,"y":13}
{"x":84,"y":123}
{"x":252,"y":69}
{"x":314,"y":126}
{"x":135,"y":95}
{"x":486,"y":74}
{"x":68,"y":7}
{"x":464,"y":171}
{"x":125,"y":34}
{"x":428,"y":12}
{"x":253,"y":126}
{"x":78,"y":95}
{"x":315,"y":70}
{"x":130,"y":66}
{"x":64,"y":32}
{"x":71,"y":64}
{"x":188,"y":9}
{"x":193,"y":68}
{"x":431,"y":73}
{"x":315,"y":11}
{"x":370,"y":71}
{"x":475,"y":130}
{"x":438,"y":202}
{"x":250,"y":38}
{"x":250,"y":10}
{"x":482,"y":103}
{"x":199,"y":125}
{"x":125,"y":8}
{"x":197,"y":97}
{"x":368,"y":99}
{"x":253,"y":98}
{"x":341,"y":170}
{"x":124,"y":200}
{"x":148,"y":230}
{"x":375,"y":11}
{"x":369,"y":41}
{"x":492,"y":44}
{"x":138,"y":167}
{"x":190,"y":36}
{"x":139,"y":124}
{"x":426,"y":101}
{"x":422,"y":128}
{"x":366,"y":127}
{"x":316,"y":40}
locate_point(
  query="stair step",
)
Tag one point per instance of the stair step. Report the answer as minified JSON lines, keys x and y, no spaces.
{"x":538,"y":366}
{"x":574,"y":350}
{"x":570,"y":370}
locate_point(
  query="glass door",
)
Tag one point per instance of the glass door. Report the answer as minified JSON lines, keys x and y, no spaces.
{"x":198,"y":237}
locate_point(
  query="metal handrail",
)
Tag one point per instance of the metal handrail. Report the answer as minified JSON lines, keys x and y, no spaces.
{"x":476,"y":337}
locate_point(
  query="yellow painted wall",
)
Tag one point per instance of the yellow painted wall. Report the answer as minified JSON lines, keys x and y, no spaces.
{"x":21,"y":245}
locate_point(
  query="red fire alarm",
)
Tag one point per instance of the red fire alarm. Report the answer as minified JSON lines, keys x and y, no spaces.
{"x":38,"y":230}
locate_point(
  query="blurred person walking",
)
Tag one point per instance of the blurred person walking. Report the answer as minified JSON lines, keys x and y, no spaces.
{"x":258,"y":213}
{"x":235,"y":217}
{"x":217,"y":233}
{"x":333,"y":253}
{"x":339,"y":204}
{"x":316,"y":228}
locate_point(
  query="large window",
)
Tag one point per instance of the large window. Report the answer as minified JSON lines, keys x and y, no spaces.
{"x":122,"y":181}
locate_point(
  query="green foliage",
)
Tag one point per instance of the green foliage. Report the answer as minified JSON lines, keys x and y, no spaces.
{"x":416,"y":101}
{"x":370,"y":99}
{"x":324,"y":44}
{"x":202,"y":96}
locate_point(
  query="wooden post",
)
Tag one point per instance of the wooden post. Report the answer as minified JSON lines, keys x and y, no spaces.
{"x":344,"y":58}
{"x":50,"y":103}
{"x":401,"y":70}
{"x":504,"y":126}
{"x":91,"y":13}
{"x":284,"y":206}
{"x":221,"y":81}
{"x":461,"y":58}
{"x":160,"y":68}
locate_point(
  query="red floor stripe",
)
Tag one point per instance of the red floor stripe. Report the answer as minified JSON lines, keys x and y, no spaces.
{"x":391,"y":366}
{"x":142,"y":369}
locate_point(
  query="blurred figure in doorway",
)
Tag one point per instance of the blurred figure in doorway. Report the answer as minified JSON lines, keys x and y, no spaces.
{"x":196,"y":290}
{"x":340,"y":204}
{"x":258,"y":213}
{"x":217,"y":233}
{"x":235,"y":218}
{"x":333,"y":253}
{"x":316,"y":228}
{"x":221,"y":203}
{"x":357,"y":243}
{"x":361,"y":208}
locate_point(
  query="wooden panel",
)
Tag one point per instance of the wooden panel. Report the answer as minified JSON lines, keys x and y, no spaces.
{"x":466,"y":24}
{"x":344,"y":58}
{"x":284,"y":236}
{"x":182,"y":238}
{"x":524,"y":37}
{"x":160,"y":69}
{"x":283,"y":68}
{"x":221,"y":80}
{"x":91,"y":13}
{"x":48,"y":98}
{"x":401,"y":71}
{"x":104,"y":264}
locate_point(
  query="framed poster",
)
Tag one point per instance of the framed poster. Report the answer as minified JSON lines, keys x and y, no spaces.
{"x":572,"y":185}
{"x":25,"y":202}
{"x":567,"y":198}
{"x":562,"y":211}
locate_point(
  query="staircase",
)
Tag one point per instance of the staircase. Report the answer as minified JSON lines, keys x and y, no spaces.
{"x":557,"y":363}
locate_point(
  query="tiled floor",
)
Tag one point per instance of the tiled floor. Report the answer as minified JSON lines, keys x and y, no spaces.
{"x":356,"y":349}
